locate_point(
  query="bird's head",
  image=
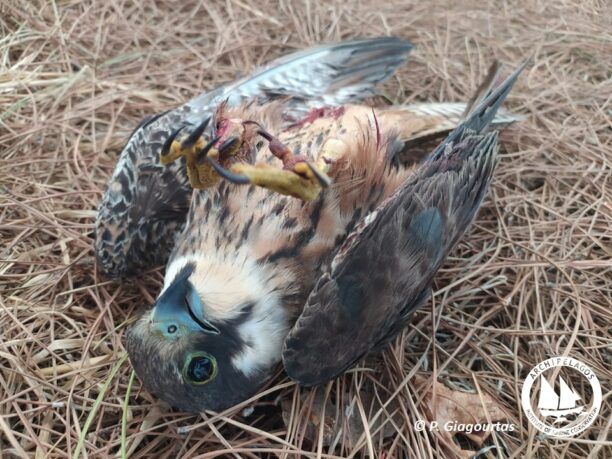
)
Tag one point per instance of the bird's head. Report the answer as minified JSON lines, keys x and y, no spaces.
{"x":212,"y":338}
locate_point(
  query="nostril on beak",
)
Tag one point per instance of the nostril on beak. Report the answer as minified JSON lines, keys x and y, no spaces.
{"x":164,"y":328}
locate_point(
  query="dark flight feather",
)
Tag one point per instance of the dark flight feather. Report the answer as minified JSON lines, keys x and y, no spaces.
{"x":384,"y":271}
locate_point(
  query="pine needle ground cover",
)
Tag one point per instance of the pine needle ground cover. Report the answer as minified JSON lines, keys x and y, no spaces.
{"x":530,"y":280}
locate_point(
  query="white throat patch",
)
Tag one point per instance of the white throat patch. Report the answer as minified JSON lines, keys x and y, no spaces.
{"x":263,"y":333}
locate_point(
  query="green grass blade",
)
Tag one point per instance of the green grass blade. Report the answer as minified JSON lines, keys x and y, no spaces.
{"x":96,"y":405}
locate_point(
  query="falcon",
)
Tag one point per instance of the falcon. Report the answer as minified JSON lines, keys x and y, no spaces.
{"x":299,"y":225}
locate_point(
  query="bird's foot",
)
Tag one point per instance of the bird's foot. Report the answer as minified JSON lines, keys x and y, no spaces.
{"x":298,"y":178}
{"x":196,"y":147}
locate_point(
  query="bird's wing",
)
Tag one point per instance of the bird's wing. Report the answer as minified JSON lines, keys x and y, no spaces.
{"x":145,"y":204}
{"x":384,"y":270}
{"x":331,"y":74}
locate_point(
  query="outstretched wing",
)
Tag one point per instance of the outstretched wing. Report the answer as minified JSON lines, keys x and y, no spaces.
{"x":331,"y":74}
{"x":145,"y":204}
{"x":384,"y":270}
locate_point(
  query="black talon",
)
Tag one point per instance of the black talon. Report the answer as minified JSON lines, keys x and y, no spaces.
{"x":168,"y":143}
{"x":201,"y":155}
{"x":230,"y":176}
{"x":192,"y":138}
{"x":323,"y":179}
{"x":228,"y":145}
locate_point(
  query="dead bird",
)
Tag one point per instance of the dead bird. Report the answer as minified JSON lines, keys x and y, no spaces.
{"x":296,"y":224}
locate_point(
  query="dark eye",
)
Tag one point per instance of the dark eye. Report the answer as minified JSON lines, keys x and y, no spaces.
{"x":200,"y":369}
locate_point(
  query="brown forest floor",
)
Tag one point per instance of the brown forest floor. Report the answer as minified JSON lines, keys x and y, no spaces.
{"x":532,"y":278}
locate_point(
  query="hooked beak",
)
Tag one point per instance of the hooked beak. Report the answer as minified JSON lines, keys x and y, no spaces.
{"x":179,"y":310}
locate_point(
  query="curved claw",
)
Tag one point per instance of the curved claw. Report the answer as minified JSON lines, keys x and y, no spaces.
{"x":228,"y":175}
{"x":322,"y":178}
{"x":192,"y":138}
{"x":203,"y":153}
{"x":168,"y":143}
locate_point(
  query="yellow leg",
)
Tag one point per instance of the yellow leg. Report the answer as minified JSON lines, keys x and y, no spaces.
{"x":300,"y":183}
{"x":206,"y":176}
{"x":299,"y":177}
{"x":199,"y":171}
{"x":196,"y":150}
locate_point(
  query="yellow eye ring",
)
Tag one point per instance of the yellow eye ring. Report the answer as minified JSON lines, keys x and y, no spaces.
{"x":200,"y":368}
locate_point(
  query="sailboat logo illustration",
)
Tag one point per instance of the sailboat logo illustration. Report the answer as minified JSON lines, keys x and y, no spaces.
{"x":561,"y":413}
{"x":561,"y":405}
